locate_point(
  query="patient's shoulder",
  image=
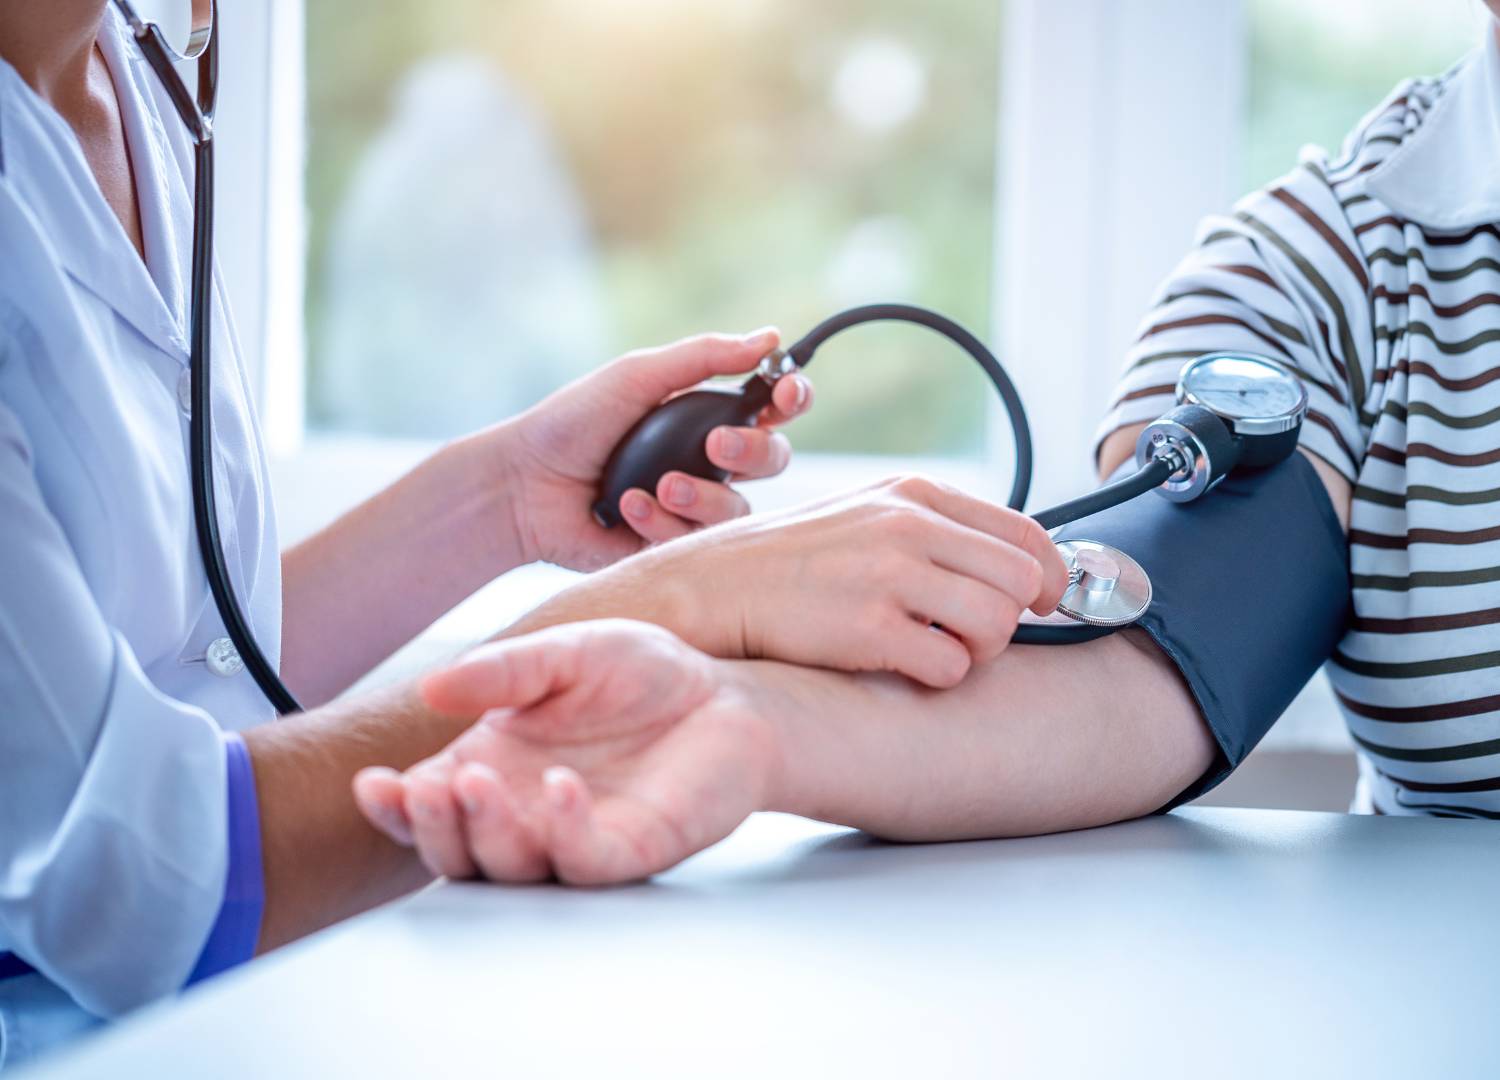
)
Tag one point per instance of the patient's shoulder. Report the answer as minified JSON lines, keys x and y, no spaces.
{"x":1321,"y":210}
{"x":1383,"y":131}
{"x":1334,"y":185}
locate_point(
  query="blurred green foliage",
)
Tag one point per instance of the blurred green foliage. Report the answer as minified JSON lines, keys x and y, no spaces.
{"x":1317,"y":67}
{"x":720,"y":178}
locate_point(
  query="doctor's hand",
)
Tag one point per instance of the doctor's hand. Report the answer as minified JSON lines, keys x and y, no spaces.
{"x":910,"y":576}
{"x":552,"y":457}
{"x":602,"y":752}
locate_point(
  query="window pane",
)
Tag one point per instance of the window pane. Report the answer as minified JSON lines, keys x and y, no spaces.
{"x":1316,"y":68}
{"x":503,"y":196}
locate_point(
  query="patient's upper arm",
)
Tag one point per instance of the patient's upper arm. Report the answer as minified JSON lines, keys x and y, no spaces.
{"x":1269,"y":551}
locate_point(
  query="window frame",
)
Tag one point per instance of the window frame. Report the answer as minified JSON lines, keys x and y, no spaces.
{"x":260,"y":221}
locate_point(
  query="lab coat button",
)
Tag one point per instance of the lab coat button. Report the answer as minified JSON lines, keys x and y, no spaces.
{"x":223,"y":658}
{"x":185,"y":393}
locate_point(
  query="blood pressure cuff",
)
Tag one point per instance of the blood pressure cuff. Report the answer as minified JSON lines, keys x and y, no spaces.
{"x":1250,"y":594}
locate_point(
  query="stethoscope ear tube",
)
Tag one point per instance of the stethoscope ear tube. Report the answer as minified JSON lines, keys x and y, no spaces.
{"x":201,"y":442}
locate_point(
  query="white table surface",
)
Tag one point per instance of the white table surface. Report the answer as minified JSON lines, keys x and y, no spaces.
{"x":1210,"y":943}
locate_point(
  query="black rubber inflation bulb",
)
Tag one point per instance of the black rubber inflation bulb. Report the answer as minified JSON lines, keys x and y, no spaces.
{"x":671,"y":438}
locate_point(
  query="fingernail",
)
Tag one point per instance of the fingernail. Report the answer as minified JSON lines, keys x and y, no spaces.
{"x":731,"y":443}
{"x":425,"y":809}
{"x":681,"y":493}
{"x":802,"y":390}
{"x":636,"y":506}
{"x":472,"y":804}
{"x":755,"y":337}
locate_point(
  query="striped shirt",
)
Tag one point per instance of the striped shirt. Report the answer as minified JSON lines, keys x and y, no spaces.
{"x":1376,"y":275}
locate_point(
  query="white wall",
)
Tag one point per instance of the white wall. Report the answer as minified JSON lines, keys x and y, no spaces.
{"x":1120,"y":127}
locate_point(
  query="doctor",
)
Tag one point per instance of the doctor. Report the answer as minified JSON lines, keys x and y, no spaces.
{"x":154,"y":827}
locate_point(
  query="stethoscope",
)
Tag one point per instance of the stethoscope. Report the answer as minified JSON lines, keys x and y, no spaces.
{"x":1233,"y":411}
{"x":197,"y":112}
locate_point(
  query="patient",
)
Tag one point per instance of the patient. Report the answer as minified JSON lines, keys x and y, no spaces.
{"x":605,"y":751}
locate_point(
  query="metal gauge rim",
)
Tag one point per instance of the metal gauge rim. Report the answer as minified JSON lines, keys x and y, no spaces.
{"x":1273,"y":424}
{"x":1122,"y":605}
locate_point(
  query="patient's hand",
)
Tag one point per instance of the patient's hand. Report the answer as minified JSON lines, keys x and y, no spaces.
{"x":854,"y":582}
{"x":603,"y":752}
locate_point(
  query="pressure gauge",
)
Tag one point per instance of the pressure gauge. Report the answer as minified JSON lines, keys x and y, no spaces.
{"x":1233,"y":410}
{"x":1256,"y":397}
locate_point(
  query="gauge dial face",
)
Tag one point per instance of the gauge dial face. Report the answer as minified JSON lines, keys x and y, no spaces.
{"x":1243,"y":388}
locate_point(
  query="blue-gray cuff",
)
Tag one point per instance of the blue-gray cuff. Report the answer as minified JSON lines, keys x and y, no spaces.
{"x":1250,"y":594}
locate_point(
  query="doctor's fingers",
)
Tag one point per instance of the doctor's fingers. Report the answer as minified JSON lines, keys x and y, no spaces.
{"x":982,"y":618}
{"x":748,"y":453}
{"x":699,"y":501}
{"x":790,"y":398}
{"x":648,"y":519}
{"x":1010,"y":526}
{"x":683,"y":504}
{"x":1013,"y":570}
{"x":505,"y":843}
{"x":652,"y":374}
{"x":910,"y":645}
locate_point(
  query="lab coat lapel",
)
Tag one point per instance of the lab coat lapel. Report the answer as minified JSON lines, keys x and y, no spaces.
{"x":45,"y":166}
{"x":162,"y":190}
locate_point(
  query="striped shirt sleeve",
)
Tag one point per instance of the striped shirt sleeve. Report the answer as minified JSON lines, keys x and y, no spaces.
{"x":1283,"y":277}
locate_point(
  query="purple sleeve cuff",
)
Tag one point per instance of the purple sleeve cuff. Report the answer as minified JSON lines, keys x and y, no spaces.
{"x":236,"y":931}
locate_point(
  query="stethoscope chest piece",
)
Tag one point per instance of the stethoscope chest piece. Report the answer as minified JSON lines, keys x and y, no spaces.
{"x":1106,"y":587}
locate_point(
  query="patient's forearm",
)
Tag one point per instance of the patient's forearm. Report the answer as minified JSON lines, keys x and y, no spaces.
{"x":1039,"y":740}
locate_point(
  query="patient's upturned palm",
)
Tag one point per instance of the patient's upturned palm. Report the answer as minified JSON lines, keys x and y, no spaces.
{"x":669,"y":758}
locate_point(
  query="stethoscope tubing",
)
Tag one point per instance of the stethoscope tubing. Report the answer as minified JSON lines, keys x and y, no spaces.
{"x":802,"y":353}
{"x":197,"y":115}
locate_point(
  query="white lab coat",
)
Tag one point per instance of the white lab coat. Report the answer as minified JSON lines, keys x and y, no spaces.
{"x":112,"y":764}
